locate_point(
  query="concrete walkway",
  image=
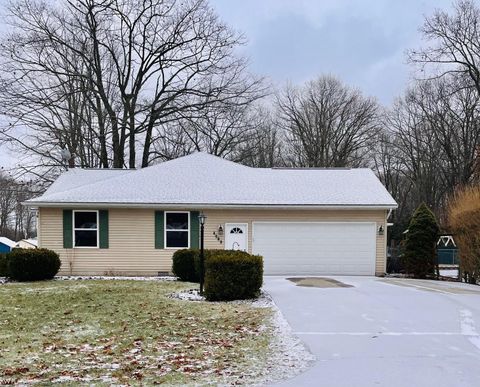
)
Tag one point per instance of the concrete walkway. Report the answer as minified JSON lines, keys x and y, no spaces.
{"x":385,"y":332}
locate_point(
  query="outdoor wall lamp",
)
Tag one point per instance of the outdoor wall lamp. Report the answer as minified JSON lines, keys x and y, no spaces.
{"x":218,"y":233}
{"x":380,"y":230}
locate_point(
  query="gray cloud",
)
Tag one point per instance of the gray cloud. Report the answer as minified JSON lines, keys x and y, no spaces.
{"x":362,"y":42}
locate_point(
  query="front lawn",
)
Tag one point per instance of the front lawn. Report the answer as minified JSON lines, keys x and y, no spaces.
{"x":118,"y":332}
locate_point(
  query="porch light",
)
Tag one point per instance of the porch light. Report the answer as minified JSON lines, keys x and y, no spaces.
{"x":380,"y":230}
{"x":220,"y":230}
{"x":201,"y":219}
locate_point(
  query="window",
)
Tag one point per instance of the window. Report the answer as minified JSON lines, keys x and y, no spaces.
{"x":177,"y":231}
{"x":85,"y":228}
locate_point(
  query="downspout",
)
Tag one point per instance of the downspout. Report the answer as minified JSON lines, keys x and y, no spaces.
{"x":385,"y":239}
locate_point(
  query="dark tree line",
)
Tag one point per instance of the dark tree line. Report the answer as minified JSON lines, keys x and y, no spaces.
{"x":16,"y":221}
{"x":128,"y":83}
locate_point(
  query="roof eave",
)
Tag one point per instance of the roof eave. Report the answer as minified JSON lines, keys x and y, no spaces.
{"x":211,"y":206}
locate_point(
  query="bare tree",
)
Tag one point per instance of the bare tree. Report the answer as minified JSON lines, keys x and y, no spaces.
{"x":453,"y":113}
{"x":16,"y":221}
{"x":417,"y":150}
{"x":454,"y":43}
{"x":389,"y":167}
{"x":99,"y":78}
{"x":218,"y":130}
{"x":264,"y":147}
{"x":434,"y":137}
{"x":243,"y":133}
{"x":327,"y":123}
{"x":7,"y":203}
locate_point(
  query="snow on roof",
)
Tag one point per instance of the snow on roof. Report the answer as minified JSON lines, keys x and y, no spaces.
{"x":8,"y":242}
{"x":32,"y":241}
{"x":201,"y":178}
{"x":78,"y":177}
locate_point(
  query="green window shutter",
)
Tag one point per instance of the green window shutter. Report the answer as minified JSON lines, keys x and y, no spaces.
{"x":159,"y":228}
{"x":67,"y":229}
{"x":103,"y":230}
{"x":194,"y":230}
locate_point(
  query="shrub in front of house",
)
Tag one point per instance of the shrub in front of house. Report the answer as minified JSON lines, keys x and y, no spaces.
{"x":184,"y":265}
{"x":420,"y":254}
{"x":232,"y":275}
{"x":32,"y":264}
{"x":3,"y":265}
{"x":464,"y":221}
{"x":207,"y":254}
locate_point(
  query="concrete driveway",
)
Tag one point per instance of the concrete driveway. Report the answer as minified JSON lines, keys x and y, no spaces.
{"x":384,"y":332}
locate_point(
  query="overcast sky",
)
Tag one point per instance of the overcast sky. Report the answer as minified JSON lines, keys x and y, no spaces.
{"x":363,"y":42}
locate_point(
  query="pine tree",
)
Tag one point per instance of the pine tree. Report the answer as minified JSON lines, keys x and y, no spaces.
{"x":420,"y":256}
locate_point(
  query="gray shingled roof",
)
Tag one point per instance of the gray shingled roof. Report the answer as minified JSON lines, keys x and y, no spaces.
{"x":203,"y":179}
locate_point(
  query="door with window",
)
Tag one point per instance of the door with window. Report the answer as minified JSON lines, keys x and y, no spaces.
{"x":236,"y":236}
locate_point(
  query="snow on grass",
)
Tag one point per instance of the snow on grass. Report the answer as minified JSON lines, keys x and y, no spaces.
{"x":114,"y":278}
{"x":122,"y":332}
{"x":188,"y":295}
{"x":288,"y":355}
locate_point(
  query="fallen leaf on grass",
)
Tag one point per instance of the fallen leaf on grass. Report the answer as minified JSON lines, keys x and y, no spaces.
{"x":15,"y":371}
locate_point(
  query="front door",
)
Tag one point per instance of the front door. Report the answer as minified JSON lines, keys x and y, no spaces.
{"x":236,"y":235}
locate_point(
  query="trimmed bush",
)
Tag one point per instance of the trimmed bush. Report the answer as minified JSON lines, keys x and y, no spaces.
{"x":184,"y":265}
{"x":33,"y":264}
{"x":3,"y":265}
{"x":232,"y":275}
{"x":207,"y":254}
{"x":420,"y":254}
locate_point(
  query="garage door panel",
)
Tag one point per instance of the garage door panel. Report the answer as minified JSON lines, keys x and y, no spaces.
{"x":316,"y":248}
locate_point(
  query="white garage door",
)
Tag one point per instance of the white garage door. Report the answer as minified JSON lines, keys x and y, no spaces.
{"x":316,"y":248}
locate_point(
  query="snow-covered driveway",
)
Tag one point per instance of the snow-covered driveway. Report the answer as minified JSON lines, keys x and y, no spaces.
{"x":385,"y":332}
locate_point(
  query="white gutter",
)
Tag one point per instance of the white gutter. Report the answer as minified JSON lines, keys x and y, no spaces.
{"x":210,"y":206}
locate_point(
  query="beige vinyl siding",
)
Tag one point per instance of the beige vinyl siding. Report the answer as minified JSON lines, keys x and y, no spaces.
{"x":217,"y":217}
{"x":132,"y":246}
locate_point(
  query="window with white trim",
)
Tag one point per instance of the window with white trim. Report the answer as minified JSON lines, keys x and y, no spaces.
{"x":177,"y":229}
{"x":85,"y":228}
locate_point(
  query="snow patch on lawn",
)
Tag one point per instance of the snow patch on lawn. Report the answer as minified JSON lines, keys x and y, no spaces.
{"x":83,"y":330}
{"x":4,"y":280}
{"x":287,"y":357}
{"x":188,"y":295}
{"x":116,"y":278}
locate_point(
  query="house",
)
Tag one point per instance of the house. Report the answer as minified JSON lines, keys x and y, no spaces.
{"x":6,"y":245}
{"x":302,"y":221}
{"x":27,"y":244}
